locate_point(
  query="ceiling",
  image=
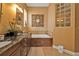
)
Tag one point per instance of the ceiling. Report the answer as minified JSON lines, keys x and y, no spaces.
{"x":37,"y":4}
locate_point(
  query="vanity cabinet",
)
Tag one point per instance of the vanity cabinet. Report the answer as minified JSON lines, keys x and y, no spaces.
{"x":19,"y":49}
{"x":12,"y":51}
{"x":16,"y":52}
{"x":25,"y":46}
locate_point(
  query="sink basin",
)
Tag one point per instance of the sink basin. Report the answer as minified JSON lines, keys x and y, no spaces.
{"x":3,"y":44}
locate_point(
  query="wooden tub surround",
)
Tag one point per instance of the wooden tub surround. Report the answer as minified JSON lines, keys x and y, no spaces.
{"x":41,"y":40}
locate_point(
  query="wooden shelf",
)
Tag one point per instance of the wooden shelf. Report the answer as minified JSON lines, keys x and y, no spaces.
{"x":63,"y":14}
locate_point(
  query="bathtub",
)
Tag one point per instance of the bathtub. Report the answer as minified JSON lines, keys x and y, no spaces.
{"x":41,"y":36}
{"x":41,"y":40}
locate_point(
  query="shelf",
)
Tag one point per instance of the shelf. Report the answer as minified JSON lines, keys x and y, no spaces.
{"x":63,"y":15}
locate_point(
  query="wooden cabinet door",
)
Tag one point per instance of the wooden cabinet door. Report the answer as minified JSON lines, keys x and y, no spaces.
{"x":23,"y":47}
{"x":16,"y":52}
{"x":23,"y":51}
{"x":11,"y":50}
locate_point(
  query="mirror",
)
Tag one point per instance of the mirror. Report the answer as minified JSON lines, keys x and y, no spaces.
{"x":19,"y":19}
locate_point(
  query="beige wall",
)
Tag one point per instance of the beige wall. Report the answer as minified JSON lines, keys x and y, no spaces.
{"x":62,"y":36}
{"x":37,"y":10}
{"x":51,"y":18}
{"x":9,"y":13}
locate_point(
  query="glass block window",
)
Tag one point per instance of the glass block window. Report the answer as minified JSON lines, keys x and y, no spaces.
{"x":37,"y":20}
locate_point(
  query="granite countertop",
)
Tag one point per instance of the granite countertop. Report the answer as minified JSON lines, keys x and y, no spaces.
{"x":17,"y":40}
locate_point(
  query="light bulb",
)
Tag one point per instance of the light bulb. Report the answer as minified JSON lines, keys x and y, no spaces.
{"x":37,"y":20}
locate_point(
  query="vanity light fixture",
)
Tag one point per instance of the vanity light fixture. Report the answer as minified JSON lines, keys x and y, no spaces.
{"x":25,"y":17}
{"x":16,"y":6}
{"x":19,"y":8}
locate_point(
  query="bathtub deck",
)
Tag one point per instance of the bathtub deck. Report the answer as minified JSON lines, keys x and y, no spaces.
{"x":41,"y":36}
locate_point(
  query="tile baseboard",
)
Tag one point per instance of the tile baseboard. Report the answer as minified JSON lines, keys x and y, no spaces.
{"x":67,"y":51}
